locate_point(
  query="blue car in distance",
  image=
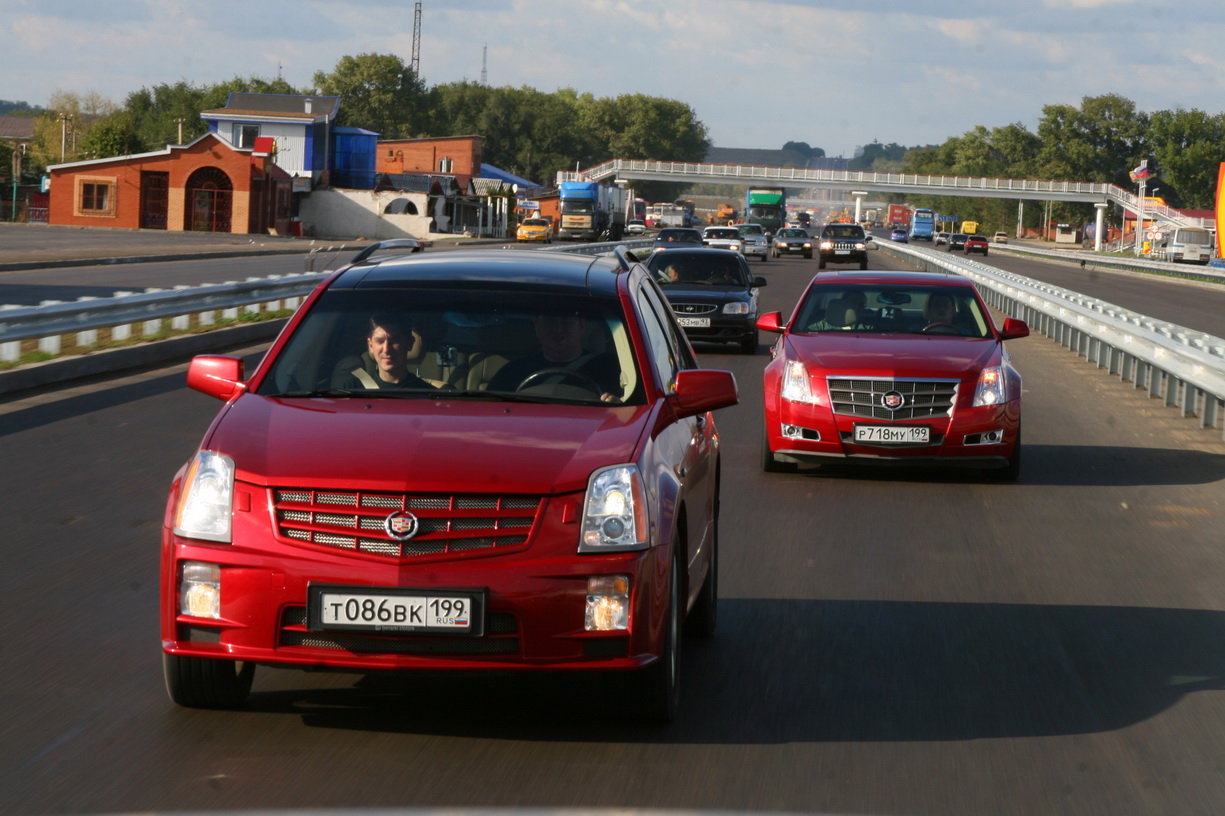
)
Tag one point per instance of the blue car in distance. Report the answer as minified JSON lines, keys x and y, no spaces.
{"x":899,"y":235}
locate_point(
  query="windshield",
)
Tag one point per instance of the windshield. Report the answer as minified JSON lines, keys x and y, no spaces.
{"x":843,"y":231}
{"x":480,"y":344}
{"x":750,"y":229}
{"x":722,"y":233}
{"x":712,"y":269}
{"x":904,"y":309}
{"x":687,"y":235}
{"x":792,"y":233}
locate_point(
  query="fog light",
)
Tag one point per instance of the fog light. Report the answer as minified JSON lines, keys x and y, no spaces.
{"x":608,"y":603}
{"x":200,"y":590}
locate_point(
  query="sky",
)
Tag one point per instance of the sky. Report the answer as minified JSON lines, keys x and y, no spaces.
{"x":757,"y":73}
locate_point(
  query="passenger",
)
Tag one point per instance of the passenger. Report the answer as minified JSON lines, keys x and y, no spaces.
{"x":390,"y":341}
{"x":561,"y":360}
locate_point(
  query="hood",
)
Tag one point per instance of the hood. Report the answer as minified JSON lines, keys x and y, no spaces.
{"x":895,"y":355}
{"x":425,"y":444}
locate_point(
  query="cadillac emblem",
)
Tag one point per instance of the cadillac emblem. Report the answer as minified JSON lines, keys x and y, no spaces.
{"x":401,"y":525}
{"x":892,"y":400}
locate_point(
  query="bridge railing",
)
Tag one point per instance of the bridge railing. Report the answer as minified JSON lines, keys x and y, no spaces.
{"x":884,"y":182}
{"x":1184,"y":367}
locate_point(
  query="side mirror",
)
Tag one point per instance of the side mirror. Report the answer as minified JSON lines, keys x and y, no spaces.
{"x":771,"y":322}
{"x":1014,"y":329}
{"x":701,"y":390}
{"x":758,"y":280}
{"x":220,"y":377}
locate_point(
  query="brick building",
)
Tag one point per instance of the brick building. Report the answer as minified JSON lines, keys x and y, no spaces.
{"x":206,"y":186}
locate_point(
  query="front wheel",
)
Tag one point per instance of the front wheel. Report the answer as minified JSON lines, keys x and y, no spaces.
{"x":821,"y":263}
{"x":748,"y":344}
{"x":205,"y":682}
{"x":863,"y":264}
{"x":658,"y":685}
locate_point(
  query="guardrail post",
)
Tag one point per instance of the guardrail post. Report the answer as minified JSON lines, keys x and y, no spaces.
{"x":52,"y":343}
{"x":10,"y":352}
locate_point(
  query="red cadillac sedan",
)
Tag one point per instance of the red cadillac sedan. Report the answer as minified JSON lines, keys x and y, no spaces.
{"x":474,"y":461}
{"x":892,"y":367}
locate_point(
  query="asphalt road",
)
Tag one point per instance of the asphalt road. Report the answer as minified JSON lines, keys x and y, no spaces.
{"x":890,"y":641}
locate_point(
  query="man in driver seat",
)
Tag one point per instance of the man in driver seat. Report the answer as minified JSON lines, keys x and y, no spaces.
{"x":563,"y":358}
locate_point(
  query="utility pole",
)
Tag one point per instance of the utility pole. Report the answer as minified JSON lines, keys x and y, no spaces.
{"x":65,"y":118}
{"x":18,"y":152}
{"x":484,"y":63}
{"x":180,"y":122}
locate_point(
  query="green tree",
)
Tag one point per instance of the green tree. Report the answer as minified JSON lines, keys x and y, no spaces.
{"x":377,"y":92}
{"x":1102,"y":140}
{"x":112,"y":135}
{"x":1188,"y":147}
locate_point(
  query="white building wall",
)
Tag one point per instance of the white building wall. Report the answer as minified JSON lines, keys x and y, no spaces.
{"x":290,"y":146}
{"x":359,"y":214}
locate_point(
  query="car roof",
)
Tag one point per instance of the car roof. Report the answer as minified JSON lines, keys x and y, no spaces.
{"x":487,"y":269}
{"x":888,"y":278}
{"x":692,"y":251}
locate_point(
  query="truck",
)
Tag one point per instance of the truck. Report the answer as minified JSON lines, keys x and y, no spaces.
{"x":724,"y":214}
{"x":899,"y":216}
{"x":591,"y":211}
{"x":1185,"y":245}
{"x":766,"y":206}
{"x":969,"y":227}
{"x":922,"y":225}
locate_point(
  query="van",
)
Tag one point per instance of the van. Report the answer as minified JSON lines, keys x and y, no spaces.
{"x":1186,"y":245}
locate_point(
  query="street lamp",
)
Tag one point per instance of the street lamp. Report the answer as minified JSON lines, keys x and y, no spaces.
{"x":65,"y":119}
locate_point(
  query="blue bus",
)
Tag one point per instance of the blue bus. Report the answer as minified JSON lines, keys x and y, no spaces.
{"x":922,"y":225}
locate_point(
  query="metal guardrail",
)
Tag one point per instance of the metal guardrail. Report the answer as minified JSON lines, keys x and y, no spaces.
{"x":1099,"y":261}
{"x":132,"y":314}
{"x":1184,"y":367}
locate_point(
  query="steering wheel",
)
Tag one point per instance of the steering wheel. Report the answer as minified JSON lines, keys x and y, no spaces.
{"x":568,"y":373}
{"x":942,"y":325}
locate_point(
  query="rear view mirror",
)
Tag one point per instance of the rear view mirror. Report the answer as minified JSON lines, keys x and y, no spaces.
{"x":1014,"y":329}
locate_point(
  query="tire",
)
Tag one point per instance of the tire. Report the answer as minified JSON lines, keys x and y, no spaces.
{"x":765,"y":258}
{"x":657,"y":687}
{"x":203,"y":682}
{"x":821,"y":262}
{"x":1011,"y":471}
{"x":748,"y":344}
{"x":863,"y":264}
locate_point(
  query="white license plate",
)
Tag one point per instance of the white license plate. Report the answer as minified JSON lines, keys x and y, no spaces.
{"x":842,"y":252}
{"x":893,"y":434}
{"x":694,"y":322}
{"x":395,"y":610}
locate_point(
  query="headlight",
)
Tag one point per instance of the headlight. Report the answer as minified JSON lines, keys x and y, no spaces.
{"x":206,"y":498}
{"x":992,"y":388}
{"x":796,"y":387}
{"x":860,"y":245}
{"x":808,"y":245}
{"x":736,"y":308}
{"x":827,"y":245}
{"x":615,"y":511}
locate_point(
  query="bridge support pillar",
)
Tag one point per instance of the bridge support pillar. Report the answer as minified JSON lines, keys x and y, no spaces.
{"x":1099,"y":225}
{"x":859,"y":197}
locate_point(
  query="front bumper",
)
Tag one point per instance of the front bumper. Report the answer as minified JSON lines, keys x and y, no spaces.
{"x":533,"y":617}
{"x":805,"y":433}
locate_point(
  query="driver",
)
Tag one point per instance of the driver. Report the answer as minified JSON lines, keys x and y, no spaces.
{"x":561,"y":347}
{"x":940,"y":310}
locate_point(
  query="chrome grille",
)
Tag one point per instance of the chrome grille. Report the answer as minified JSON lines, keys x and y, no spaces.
{"x":445,"y":523}
{"x":694,"y":308}
{"x":862,"y":397}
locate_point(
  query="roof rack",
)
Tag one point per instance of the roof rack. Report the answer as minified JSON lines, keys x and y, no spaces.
{"x":625,"y":258}
{"x":390,"y":243}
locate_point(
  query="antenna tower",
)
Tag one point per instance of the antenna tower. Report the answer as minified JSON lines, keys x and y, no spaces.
{"x":484,"y":63}
{"x":416,"y":62}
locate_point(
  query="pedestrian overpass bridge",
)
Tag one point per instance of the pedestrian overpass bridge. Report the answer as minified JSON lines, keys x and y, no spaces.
{"x":894,"y":183}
